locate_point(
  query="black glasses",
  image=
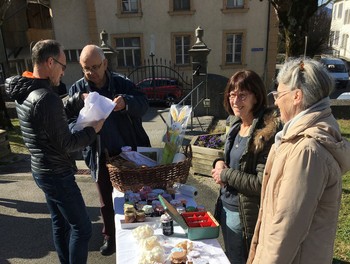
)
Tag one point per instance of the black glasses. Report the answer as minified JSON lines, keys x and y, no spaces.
{"x":63,"y":66}
{"x":93,"y":68}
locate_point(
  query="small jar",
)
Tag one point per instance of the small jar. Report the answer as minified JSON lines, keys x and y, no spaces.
{"x":151,"y":197}
{"x":158,"y":210}
{"x":180,"y":209}
{"x":191,"y":209}
{"x":128,"y":206}
{"x":140,"y":204}
{"x":140,"y":216}
{"x":126,"y":195}
{"x":129,"y":216}
{"x":134,"y":197}
{"x":167,"y":197}
{"x":155,"y":203}
{"x":175,"y":203}
{"x":167,"y":224}
{"x":148,"y":209}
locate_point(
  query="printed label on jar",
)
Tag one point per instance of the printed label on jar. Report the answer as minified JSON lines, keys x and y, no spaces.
{"x":168,"y":228}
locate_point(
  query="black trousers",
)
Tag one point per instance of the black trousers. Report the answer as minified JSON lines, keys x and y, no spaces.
{"x":105,"y":190}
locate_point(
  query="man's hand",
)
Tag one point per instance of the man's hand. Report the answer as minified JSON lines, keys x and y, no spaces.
{"x":83,"y":96}
{"x":97,"y":125}
{"x":120,"y":103}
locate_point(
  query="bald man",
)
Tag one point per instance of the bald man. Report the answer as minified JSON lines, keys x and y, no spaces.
{"x":123,"y":127}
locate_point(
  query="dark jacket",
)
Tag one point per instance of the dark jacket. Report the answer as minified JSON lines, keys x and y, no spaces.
{"x":121,"y":128}
{"x":247,"y":180}
{"x":44,"y":125}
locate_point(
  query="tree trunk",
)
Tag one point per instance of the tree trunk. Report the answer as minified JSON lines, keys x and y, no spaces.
{"x":294,"y":16}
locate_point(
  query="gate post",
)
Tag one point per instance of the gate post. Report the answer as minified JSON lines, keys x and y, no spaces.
{"x":110,"y":53}
{"x":199,"y":53}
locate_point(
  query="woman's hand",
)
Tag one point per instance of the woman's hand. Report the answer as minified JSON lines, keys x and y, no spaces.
{"x":215,"y":173}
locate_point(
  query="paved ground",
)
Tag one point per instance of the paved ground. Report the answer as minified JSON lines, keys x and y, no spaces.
{"x":24,"y":220}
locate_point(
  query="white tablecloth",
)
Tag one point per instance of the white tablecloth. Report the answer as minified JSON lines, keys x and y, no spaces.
{"x":127,"y":248}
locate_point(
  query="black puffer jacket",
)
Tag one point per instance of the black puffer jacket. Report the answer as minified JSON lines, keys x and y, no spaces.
{"x":44,"y":125}
{"x":247,"y":180}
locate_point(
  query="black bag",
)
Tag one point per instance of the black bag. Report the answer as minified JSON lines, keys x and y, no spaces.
{"x":218,"y":208}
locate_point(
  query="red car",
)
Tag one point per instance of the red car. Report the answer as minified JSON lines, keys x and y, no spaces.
{"x":165,"y":90}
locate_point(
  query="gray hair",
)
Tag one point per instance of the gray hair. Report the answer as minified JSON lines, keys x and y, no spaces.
{"x":45,"y":49}
{"x":308,"y":75}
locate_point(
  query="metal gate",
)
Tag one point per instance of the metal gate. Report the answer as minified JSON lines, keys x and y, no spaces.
{"x":161,"y":77}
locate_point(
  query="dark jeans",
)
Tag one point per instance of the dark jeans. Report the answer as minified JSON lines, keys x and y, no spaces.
{"x":105,"y":190}
{"x":71,"y":224}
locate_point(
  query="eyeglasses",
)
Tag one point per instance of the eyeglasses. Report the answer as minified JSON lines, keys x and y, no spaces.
{"x":240,"y":96}
{"x":93,"y":68}
{"x":63,"y":66}
{"x":277,"y":95}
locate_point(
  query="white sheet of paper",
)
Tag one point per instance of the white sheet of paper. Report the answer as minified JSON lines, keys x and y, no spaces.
{"x":96,"y":107}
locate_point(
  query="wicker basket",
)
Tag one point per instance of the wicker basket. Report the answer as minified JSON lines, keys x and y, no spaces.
{"x":161,"y":176}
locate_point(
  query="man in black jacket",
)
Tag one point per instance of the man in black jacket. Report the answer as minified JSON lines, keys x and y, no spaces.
{"x":123,"y":127}
{"x":46,"y":133}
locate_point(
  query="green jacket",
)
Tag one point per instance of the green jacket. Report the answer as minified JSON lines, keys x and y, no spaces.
{"x":247,"y":180}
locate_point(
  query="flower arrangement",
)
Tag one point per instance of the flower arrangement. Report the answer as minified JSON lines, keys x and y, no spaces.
{"x":178,"y":116}
{"x":214,"y":141}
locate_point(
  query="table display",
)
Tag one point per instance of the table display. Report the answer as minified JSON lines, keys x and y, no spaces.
{"x":129,"y":249}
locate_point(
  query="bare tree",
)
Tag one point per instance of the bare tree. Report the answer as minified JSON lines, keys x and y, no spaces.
{"x":318,"y":33}
{"x":294,"y":18}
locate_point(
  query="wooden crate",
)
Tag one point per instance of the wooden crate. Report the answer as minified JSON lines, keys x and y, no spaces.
{"x":4,"y":144}
{"x":202,"y":158}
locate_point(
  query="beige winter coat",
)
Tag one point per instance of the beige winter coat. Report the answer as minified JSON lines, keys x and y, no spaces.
{"x":301,"y":194}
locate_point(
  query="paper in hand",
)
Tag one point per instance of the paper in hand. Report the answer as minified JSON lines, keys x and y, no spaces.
{"x":96,"y":107}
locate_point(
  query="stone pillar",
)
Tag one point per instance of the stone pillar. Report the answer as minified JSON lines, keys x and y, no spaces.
{"x":110,"y":53}
{"x":199,"y":54}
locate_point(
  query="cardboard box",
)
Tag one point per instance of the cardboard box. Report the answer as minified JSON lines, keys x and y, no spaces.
{"x":197,"y":225}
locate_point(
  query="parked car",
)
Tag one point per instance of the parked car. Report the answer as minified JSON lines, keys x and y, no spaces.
{"x":344,"y":96}
{"x":338,"y":70}
{"x":165,"y":90}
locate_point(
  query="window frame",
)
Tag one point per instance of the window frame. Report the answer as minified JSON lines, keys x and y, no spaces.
{"x":173,"y":12}
{"x":122,"y":14}
{"x":340,"y":11}
{"x":344,"y":41}
{"x":226,"y":64}
{"x":70,"y":57}
{"x":124,"y":36}
{"x":174,"y":35}
{"x":242,"y":9}
{"x":336,"y":38}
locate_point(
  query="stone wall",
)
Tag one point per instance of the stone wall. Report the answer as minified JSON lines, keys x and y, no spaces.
{"x":341,"y":109}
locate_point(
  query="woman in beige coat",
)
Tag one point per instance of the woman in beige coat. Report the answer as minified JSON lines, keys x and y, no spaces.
{"x":301,"y":188}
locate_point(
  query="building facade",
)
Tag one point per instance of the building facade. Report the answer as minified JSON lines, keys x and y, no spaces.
{"x":239,"y":33}
{"x":340,"y":29}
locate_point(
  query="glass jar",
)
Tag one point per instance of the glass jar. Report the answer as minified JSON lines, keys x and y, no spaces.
{"x":167,"y":224}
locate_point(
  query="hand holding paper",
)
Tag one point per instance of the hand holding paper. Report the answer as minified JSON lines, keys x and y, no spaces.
{"x":96,"y":108}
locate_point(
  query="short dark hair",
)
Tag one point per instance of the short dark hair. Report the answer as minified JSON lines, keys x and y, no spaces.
{"x":246,"y":80}
{"x":45,"y":49}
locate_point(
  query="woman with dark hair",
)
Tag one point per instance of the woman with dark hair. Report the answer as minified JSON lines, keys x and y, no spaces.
{"x":252,"y":130}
